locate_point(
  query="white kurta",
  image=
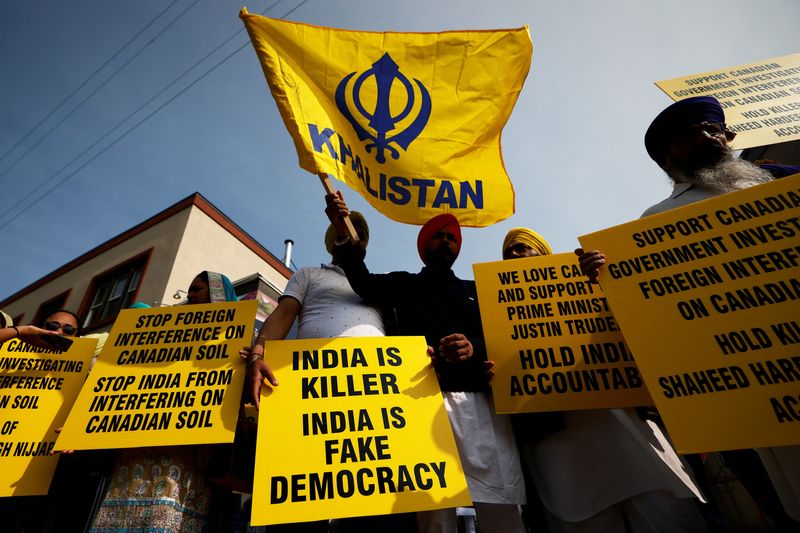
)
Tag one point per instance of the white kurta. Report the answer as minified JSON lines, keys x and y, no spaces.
{"x":783,"y":466}
{"x":601,"y":458}
{"x":486,"y":447}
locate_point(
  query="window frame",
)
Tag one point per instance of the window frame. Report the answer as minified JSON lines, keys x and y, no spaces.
{"x":138,"y":263}
{"x":46,"y":308}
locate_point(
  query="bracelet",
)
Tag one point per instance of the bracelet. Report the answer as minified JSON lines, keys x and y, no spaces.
{"x":253,"y":358}
{"x":340,"y":241}
{"x":15,"y":329}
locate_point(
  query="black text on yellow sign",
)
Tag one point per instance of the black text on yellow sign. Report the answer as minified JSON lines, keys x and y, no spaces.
{"x":356,"y":427}
{"x":165,"y":376}
{"x":37,"y":389}
{"x":761,"y":100}
{"x":708,"y":296}
{"x":554,"y":341}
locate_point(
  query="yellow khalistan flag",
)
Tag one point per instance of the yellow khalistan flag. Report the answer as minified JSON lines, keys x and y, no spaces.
{"x":412,"y":121}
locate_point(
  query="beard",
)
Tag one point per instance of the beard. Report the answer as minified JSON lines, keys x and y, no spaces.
{"x":729,"y":174}
{"x":441,"y":258}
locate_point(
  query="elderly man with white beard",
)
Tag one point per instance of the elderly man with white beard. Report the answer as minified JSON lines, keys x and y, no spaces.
{"x":689,"y":141}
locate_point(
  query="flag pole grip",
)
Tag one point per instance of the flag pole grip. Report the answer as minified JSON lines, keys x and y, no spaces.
{"x":329,"y":189}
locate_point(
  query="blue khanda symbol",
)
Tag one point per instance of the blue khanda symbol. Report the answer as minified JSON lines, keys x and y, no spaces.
{"x":385,"y":71}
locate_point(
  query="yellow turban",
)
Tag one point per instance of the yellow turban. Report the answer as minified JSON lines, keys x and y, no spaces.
{"x":528,"y":237}
{"x":359,"y":222}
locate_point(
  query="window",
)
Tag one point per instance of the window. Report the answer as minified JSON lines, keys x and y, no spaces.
{"x":113,"y":291}
{"x":46,"y":309}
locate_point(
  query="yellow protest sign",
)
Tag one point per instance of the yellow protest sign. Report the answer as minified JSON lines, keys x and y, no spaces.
{"x":356,"y":427}
{"x":37,"y":389}
{"x":761,"y":100}
{"x":378,"y":111}
{"x":554,"y":341}
{"x":708,"y":297}
{"x":166,"y":376}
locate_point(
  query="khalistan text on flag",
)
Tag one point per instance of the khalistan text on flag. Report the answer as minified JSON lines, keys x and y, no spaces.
{"x":412,"y":121}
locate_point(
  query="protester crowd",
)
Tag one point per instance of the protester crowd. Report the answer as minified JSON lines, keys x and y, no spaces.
{"x":593,"y":470}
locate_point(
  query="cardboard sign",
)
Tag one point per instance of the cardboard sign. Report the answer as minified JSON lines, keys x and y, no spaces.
{"x":165,"y":376}
{"x":555,"y":344}
{"x":761,"y":100}
{"x":356,"y":427}
{"x":37,"y":390}
{"x":708,"y":296}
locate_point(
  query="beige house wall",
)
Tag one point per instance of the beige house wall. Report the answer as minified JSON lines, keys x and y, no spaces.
{"x":185,"y":239}
{"x":206,"y":245}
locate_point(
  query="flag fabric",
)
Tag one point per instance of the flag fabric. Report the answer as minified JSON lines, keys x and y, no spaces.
{"x":412,"y":121}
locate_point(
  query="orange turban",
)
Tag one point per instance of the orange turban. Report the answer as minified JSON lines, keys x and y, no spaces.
{"x":434,"y":225}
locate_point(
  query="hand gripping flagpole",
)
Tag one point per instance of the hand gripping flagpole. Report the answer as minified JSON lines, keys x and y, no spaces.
{"x":329,"y":189}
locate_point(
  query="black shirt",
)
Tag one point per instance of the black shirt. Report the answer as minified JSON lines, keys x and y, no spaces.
{"x":433,"y":304}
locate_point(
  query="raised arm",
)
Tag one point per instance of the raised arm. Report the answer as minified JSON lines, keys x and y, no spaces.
{"x":276,"y":327}
{"x":379,"y":289}
{"x":27,"y":334}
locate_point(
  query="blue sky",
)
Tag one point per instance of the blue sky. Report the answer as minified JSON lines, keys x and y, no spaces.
{"x":573,"y":146}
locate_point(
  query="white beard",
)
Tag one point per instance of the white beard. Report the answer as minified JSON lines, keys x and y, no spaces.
{"x":729,"y":175}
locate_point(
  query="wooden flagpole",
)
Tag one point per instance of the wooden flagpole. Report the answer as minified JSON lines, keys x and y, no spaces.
{"x":329,"y":189}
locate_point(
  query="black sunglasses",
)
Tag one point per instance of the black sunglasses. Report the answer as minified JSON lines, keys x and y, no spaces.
{"x":714,"y":129}
{"x":54,"y":325}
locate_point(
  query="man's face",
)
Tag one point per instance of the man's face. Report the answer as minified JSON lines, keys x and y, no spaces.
{"x":517,"y":250}
{"x":698,"y":146}
{"x":62,"y":323}
{"x":360,"y":252}
{"x":442,"y":249}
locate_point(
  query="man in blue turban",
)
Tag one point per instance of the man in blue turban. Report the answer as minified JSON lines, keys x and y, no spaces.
{"x":689,"y":141}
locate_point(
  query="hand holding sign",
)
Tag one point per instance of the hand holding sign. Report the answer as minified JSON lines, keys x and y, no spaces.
{"x":455,"y":348}
{"x":590,"y":263}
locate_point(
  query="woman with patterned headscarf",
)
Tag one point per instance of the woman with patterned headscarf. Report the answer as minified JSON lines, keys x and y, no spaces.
{"x":164,"y":488}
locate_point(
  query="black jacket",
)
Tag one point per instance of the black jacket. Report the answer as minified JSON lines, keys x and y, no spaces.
{"x":433,"y":304}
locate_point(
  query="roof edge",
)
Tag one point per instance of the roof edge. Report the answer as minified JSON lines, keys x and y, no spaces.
{"x":196,"y":199}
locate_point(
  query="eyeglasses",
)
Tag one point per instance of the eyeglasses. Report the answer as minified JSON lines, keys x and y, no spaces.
{"x":714,"y":129}
{"x":54,"y":325}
